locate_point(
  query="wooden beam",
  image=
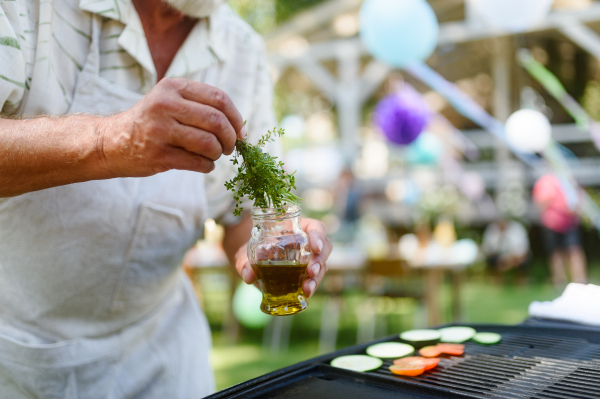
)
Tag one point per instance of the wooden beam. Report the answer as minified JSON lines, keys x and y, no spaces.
{"x":583,"y":36}
{"x":459,"y":32}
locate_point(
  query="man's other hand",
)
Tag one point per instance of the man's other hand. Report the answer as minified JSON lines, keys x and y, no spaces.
{"x":179,"y":124}
{"x":320,"y":246}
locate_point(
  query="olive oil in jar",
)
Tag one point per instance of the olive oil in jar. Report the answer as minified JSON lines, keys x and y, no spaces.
{"x":281,"y":284}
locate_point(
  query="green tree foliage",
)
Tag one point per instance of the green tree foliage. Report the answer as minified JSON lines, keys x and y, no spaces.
{"x":285,"y":9}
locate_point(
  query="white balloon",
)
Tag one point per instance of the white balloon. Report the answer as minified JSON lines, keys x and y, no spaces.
{"x":528,"y":130}
{"x":511,"y":15}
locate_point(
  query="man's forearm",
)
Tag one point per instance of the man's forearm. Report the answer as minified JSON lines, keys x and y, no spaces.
{"x":179,"y":124}
{"x":47,"y":152}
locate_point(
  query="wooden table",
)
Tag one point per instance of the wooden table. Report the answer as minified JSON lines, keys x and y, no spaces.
{"x":434,"y":279}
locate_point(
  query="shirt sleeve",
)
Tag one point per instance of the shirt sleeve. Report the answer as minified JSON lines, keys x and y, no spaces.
{"x":261,"y":119}
{"x":12,"y":59}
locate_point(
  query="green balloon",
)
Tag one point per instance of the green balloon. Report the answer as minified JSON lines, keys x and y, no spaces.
{"x":246,"y":307}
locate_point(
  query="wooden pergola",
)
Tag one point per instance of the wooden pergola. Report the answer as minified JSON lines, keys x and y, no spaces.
{"x":351,"y":85}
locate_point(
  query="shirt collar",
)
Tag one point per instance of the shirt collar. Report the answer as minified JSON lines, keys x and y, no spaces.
{"x":204,"y":47}
{"x":114,"y":9}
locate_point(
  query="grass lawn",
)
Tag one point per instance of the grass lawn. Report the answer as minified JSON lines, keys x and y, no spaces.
{"x":484,"y":301}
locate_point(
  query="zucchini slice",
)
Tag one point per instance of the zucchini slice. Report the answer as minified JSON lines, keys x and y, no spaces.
{"x":487,"y":338}
{"x":457,"y":334}
{"x":421,"y":338}
{"x":390,"y":350}
{"x":357,"y":362}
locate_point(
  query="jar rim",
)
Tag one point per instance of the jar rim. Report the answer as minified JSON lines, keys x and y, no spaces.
{"x":288,"y":210}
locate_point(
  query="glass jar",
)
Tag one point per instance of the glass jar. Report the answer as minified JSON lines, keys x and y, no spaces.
{"x":279,"y":252}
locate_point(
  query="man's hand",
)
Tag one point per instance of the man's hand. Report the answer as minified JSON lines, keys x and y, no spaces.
{"x":320,"y":247}
{"x":179,"y":124}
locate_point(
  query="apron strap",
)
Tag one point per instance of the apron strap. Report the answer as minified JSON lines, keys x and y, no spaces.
{"x":92,"y":65}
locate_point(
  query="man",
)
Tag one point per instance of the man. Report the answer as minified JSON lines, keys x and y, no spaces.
{"x":97,"y":207}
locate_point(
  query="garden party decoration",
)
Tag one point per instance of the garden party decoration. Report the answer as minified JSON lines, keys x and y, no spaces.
{"x":470,"y":109}
{"x":551,"y":83}
{"x":402,"y":116}
{"x":528,"y":130}
{"x":398,"y":32}
{"x":426,"y":150}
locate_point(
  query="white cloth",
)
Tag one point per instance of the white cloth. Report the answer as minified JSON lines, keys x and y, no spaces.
{"x":92,"y":301}
{"x":512,"y":241}
{"x":579,"y":303}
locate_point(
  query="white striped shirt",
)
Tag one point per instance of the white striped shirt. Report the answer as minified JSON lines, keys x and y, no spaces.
{"x":44,"y":44}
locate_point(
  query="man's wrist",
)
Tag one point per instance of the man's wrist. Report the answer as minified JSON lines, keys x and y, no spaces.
{"x":100,"y":128}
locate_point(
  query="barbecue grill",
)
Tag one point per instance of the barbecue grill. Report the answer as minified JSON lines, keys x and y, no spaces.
{"x":533,"y":360}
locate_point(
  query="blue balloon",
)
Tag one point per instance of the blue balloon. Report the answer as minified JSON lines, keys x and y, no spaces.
{"x":398,"y":32}
{"x":425,"y":150}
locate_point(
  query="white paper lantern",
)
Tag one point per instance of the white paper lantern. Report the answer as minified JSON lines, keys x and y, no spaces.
{"x":528,"y":130}
{"x":511,"y":15}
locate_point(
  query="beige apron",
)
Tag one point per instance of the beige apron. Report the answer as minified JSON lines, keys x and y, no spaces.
{"x":92,"y":301}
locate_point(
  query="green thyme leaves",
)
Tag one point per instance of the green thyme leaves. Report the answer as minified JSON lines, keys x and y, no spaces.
{"x":260,"y":176}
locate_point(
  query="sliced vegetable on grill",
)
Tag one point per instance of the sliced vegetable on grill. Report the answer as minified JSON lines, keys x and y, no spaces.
{"x":448,"y":349}
{"x":388,"y":350}
{"x":430,"y":351}
{"x":357,"y":362}
{"x":421,"y":338}
{"x":451,"y":349}
{"x":411,"y":370}
{"x":487,"y":338}
{"x":457,"y":334}
{"x":427,"y":363}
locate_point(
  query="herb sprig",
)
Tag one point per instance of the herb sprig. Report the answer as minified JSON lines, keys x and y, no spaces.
{"x":260,"y":176}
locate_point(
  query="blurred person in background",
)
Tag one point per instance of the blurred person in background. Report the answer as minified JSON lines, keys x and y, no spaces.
{"x":561,"y":231}
{"x":505,"y":245}
{"x":96,"y":212}
{"x":346,"y":205}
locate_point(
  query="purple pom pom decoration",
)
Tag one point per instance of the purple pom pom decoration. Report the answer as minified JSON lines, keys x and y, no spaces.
{"x":402,"y":116}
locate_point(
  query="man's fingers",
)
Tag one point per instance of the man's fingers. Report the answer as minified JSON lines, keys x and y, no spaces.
{"x":317,"y":268}
{"x":247,"y":273}
{"x":209,"y":119}
{"x":216,"y":98}
{"x":242,"y":266}
{"x":317,"y":241}
{"x":178,"y":158}
{"x":197,"y":141}
{"x":310,"y":284}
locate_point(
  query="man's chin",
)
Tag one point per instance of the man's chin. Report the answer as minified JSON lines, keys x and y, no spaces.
{"x":195,"y":8}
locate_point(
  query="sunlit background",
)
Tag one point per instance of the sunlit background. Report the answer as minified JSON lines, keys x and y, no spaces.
{"x":407,"y":214}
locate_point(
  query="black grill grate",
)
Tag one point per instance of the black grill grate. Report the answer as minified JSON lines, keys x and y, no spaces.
{"x":521,"y":366}
{"x":532,"y":361}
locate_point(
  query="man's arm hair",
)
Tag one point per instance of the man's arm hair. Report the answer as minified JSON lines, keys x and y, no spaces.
{"x":47,"y":152}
